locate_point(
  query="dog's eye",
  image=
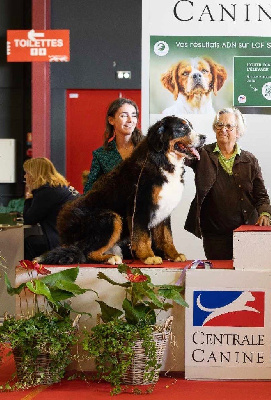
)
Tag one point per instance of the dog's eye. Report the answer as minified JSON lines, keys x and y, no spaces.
{"x":204,"y":71}
{"x":185,"y":73}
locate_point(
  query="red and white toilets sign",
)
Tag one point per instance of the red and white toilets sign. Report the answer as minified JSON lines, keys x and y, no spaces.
{"x":47,"y":45}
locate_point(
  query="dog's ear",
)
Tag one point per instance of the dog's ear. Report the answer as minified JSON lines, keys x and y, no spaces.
{"x":170,"y":80}
{"x":155,"y":136}
{"x":219,"y":74}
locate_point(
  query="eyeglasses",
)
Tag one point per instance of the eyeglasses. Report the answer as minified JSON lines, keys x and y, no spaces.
{"x":220,"y":126}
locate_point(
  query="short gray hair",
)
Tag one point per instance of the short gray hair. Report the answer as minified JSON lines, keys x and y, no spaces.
{"x":241,"y":126}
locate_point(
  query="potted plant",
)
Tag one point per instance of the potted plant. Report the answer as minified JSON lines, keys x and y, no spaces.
{"x":128,"y":345}
{"x":42,"y":335}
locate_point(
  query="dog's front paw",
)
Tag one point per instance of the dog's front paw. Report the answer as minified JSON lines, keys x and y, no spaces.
{"x":153,"y":260}
{"x":181,"y":257}
{"x":114,"y":260}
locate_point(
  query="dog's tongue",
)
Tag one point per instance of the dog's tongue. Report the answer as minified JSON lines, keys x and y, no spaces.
{"x":195,"y":152}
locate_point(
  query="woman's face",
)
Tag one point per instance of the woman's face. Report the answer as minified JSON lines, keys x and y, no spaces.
{"x":124,"y":120}
{"x":28,"y":179}
{"x":226,"y":130}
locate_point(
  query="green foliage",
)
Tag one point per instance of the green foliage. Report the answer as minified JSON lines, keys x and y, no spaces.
{"x":136,"y":314}
{"x":40,"y":334}
{"x":142,"y":297}
{"x":55,"y":288}
{"x":44,"y":327}
{"x":112,"y":342}
{"x":108,"y":312}
{"x":112,"y":346}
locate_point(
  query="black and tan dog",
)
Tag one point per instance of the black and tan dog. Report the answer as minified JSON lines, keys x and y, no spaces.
{"x":132,"y":203}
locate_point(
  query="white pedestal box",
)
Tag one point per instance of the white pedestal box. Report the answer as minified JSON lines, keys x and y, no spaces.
{"x":228,"y":325}
{"x":252,"y":248}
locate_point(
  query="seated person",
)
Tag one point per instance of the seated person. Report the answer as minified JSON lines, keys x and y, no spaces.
{"x":46,"y":192}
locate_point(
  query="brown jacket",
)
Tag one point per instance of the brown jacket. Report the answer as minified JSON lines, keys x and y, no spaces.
{"x":248,"y":177}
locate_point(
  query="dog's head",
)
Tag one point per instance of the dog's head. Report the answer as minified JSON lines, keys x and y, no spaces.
{"x":175,"y":138}
{"x":196,"y":76}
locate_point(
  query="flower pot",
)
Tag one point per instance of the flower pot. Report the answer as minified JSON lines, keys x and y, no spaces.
{"x":135,"y":375}
{"x":45,"y":365}
{"x":37,"y":371}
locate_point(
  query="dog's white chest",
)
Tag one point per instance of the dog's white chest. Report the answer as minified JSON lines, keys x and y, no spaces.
{"x":168,"y":198}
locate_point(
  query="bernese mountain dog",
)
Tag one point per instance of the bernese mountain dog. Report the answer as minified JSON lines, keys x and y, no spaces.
{"x":132,"y":203}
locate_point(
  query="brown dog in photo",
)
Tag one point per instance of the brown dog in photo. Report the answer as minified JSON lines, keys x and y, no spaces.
{"x":192,"y":82}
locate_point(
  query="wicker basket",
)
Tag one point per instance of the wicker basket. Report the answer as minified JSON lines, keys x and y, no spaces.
{"x":41,"y":371}
{"x":135,"y":374}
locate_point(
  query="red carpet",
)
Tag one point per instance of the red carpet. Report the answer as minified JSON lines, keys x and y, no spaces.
{"x":166,"y":388}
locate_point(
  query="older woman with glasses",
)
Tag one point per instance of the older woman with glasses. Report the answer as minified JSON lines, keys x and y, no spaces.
{"x":230,"y":190}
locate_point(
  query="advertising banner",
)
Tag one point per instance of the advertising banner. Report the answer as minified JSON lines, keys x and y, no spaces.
{"x":201,"y":56}
{"x":227,"y":325}
{"x":191,"y":75}
{"x":47,"y":45}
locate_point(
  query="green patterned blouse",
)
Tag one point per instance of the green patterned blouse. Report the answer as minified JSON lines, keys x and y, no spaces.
{"x":227,"y":163}
{"x":103,"y":162}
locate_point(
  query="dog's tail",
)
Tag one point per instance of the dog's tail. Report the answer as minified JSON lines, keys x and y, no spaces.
{"x":63,"y":256}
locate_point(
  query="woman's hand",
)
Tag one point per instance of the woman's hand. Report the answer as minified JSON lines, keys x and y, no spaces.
{"x":263,"y":220}
{"x":28,"y":195}
{"x":28,"y":192}
{"x":28,"y":186}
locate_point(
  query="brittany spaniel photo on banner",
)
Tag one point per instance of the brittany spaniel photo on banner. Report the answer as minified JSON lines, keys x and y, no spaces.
{"x":192,"y":82}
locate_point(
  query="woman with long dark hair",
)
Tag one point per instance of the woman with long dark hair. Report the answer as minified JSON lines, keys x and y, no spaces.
{"x":120,"y":138}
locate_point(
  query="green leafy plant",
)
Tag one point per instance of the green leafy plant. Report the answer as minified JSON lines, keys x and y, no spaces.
{"x":44,"y":329}
{"x":112,"y":342}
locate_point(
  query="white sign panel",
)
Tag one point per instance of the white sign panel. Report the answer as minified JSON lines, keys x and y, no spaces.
{"x":227,"y":325}
{"x":7,"y":160}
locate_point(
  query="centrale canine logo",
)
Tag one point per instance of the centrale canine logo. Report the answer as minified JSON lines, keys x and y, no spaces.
{"x":228,"y":308}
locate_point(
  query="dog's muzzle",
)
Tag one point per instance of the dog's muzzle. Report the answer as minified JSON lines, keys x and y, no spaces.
{"x":197,"y":78}
{"x":188,"y":150}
